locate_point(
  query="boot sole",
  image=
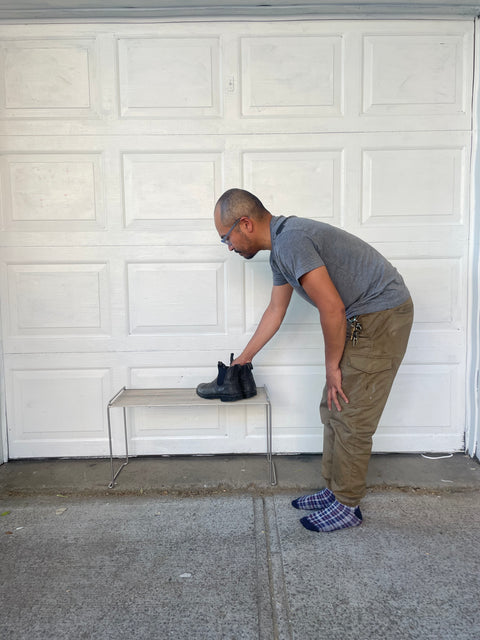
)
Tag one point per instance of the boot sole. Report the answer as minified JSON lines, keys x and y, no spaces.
{"x":230,"y":398}
{"x":223,"y":398}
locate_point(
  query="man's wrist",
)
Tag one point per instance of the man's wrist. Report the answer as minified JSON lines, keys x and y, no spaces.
{"x":332,"y":367}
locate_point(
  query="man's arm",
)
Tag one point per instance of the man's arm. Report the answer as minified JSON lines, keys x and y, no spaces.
{"x":269,"y":324}
{"x":321,"y":290}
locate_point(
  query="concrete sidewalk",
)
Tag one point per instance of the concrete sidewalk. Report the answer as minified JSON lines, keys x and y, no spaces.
{"x":230,"y":560}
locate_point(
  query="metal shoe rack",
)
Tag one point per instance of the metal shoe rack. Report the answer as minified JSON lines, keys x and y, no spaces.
{"x":180,"y":398}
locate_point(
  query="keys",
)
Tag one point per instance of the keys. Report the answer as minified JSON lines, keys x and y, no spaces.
{"x":355,"y":329}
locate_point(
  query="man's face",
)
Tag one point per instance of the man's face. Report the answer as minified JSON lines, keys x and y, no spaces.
{"x":235,"y":236}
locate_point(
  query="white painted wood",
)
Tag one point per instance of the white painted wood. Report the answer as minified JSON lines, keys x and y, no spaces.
{"x":161,"y":298}
{"x":116,"y":142}
{"x":47,"y":191}
{"x":293,"y":76}
{"x":109,"y":112}
{"x":158,"y":185}
{"x":146,"y":69}
{"x":49,"y":77}
{"x":57,"y":411}
{"x":58,"y":299}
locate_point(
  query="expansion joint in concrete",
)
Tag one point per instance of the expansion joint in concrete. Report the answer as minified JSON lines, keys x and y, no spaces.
{"x":267,"y":531}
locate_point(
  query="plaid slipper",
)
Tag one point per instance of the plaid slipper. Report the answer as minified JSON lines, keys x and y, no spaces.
{"x":320,"y":500}
{"x":335,"y":516}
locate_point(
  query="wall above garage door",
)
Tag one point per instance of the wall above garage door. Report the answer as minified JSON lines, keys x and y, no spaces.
{"x":250,"y":9}
{"x":116,"y":141}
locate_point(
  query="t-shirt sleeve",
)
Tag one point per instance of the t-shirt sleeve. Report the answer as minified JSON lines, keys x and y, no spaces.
{"x":278,"y":278}
{"x":299,"y":254}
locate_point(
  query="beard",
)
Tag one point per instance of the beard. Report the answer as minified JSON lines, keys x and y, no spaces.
{"x":246,"y":255}
{"x":248,"y":251}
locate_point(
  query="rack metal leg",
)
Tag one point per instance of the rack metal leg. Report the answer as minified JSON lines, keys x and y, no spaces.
{"x":273,"y":473}
{"x":125,"y":462}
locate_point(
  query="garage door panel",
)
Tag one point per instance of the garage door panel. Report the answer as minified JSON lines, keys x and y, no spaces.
{"x":58,"y":411}
{"x":162,"y":298}
{"x":407,"y":74}
{"x":427,"y":440}
{"x":152,"y":79}
{"x":437,"y":286}
{"x":49,"y":78}
{"x":165,"y":77}
{"x":169,"y":187}
{"x":258,"y":286}
{"x":119,"y":298}
{"x":292,"y":76}
{"x":368,"y":183}
{"x":433,"y":407}
{"x":428,"y":419}
{"x":312,"y":180}
{"x":297,"y":413}
{"x":58,"y":299}
{"x":414,"y":186}
{"x":414,"y":180}
{"x":433,"y":345}
{"x":53,"y":192}
{"x":188,"y":430}
{"x":295,"y":416}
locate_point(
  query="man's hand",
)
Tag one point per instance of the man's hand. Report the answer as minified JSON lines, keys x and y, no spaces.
{"x":334,"y":389}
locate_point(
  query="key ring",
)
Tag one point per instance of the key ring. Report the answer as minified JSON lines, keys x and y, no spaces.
{"x":355,"y":329}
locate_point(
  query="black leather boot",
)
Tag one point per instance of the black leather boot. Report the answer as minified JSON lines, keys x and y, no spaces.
{"x":247,"y":381}
{"x":249,"y":387}
{"x":226,"y":386}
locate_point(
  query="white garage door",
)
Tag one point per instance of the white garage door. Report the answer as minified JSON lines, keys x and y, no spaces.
{"x":116,"y":142}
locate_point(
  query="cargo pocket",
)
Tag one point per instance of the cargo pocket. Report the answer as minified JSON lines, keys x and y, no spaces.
{"x":369,"y":365}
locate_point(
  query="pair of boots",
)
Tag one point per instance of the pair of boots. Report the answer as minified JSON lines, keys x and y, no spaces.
{"x":232,"y":383}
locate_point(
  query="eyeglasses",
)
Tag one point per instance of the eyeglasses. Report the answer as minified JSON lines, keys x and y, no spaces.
{"x":226,"y":238}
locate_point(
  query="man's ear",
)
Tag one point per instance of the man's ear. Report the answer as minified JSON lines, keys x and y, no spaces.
{"x":249,"y":225}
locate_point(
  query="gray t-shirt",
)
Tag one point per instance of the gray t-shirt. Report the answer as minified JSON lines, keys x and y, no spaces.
{"x":365,"y":280}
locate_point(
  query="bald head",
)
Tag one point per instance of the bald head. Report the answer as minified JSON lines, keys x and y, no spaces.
{"x":242,"y":222}
{"x":236,"y":203}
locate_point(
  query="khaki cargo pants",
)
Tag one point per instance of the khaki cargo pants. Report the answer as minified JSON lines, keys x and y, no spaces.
{"x":368,"y":371}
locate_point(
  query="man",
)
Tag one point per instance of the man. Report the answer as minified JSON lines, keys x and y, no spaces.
{"x":366,"y":315}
